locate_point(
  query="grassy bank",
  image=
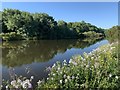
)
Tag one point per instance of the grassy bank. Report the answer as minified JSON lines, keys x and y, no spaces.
{"x":97,"y":69}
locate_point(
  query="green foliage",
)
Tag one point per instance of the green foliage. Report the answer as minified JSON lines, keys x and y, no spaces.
{"x":113,"y":33}
{"x":11,"y":36}
{"x":98,"y":69}
{"x":42,"y":26}
{"x":92,"y":34}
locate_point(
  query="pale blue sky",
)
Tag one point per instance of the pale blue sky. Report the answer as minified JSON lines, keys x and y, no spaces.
{"x":101,"y":14}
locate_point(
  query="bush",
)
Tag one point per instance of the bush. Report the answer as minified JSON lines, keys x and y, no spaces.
{"x":97,"y":69}
{"x":11,"y":36}
{"x":113,"y":33}
{"x":92,"y":34}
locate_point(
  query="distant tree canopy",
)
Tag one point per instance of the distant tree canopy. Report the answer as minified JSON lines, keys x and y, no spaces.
{"x":113,"y":34}
{"x":18,"y":25}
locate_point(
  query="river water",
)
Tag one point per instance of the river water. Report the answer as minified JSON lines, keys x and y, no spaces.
{"x":31,"y":58}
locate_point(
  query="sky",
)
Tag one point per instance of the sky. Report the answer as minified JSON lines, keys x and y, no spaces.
{"x":101,"y":14}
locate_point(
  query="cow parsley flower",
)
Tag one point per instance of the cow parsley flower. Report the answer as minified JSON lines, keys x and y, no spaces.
{"x":70,"y":61}
{"x":73,"y":77}
{"x":66,"y":80}
{"x":61,"y":81}
{"x":53,"y":74}
{"x":64,"y":61}
{"x":53,"y":65}
{"x":64,"y":76}
{"x":58,"y":68}
{"x":39,"y":82}
{"x":6,"y":87}
{"x":68,"y":77}
{"x":110,"y":75}
{"x":13,"y":83}
{"x":116,"y":77}
{"x":26,"y":84}
{"x":32,"y":77}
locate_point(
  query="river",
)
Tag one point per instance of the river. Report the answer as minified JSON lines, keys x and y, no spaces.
{"x":31,"y":58}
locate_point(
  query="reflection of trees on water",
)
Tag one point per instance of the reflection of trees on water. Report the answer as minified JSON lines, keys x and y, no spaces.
{"x":25,"y":52}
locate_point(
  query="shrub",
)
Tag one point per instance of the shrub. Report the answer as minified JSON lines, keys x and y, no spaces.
{"x":97,"y":69}
{"x":92,"y":34}
{"x":11,"y":36}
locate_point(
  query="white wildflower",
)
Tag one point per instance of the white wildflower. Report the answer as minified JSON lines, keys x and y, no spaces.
{"x":51,"y":78}
{"x":66,"y":80}
{"x":26,"y":84}
{"x":70,"y":61}
{"x":92,"y":57}
{"x":90,"y":53}
{"x":7,"y":87}
{"x":17,"y":86}
{"x":48,"y":68}
{"x":19,"y":81}
{"x":64,"y":61}
{"x":76,"y":84}
{"x":64,"y":64}
{"x":13,"y":83}
{"x":39,"y":82}
{"x":64,"y":76}
{"x":77,"y":77}
{"x":68,"y":77}
{"x":87,"y":66}
{"x":74,"y":63}
{"x":61,"y":81}
{"x":32,"y":77}
{"x":73,"y":77}
{"x":110,"y":75}
{"x":47,"y":78}
{"x":58,"y":68}
{"x":53,"y":74}
{"x":116,"y":77}
{"x":1,"y":86}
{"x":83,"y":59}
{"x":53,"y":65}
{"x":61,"y":72}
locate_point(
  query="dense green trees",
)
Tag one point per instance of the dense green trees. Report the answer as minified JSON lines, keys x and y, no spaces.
{"x":113,"y":34}
{"x":17,"y":25}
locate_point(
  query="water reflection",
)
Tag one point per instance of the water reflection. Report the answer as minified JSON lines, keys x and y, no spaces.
{"x":31,"y":58}
{"x":19,"y":53}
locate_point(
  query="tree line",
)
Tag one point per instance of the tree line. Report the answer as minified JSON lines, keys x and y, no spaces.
{"x":113,"y":34}
{"x":20,"y":25}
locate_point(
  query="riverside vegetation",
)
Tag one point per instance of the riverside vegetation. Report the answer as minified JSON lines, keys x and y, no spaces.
{"x":98,"y":69}
{"x":20,"y":25}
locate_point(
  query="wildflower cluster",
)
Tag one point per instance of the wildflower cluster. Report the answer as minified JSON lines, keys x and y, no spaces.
{"x":97,"y":69}
{"x":18,"y":83}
